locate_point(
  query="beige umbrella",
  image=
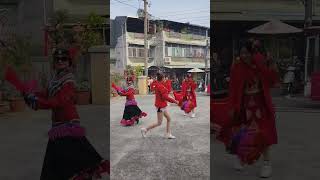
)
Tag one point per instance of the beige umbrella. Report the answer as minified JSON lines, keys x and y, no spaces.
{"x":195,"y":70}
{"x":275,"y":27}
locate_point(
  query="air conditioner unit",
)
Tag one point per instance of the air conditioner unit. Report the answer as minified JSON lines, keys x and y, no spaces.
{"x":167,"y":60}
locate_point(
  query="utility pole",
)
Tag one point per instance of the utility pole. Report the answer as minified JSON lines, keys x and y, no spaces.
{"x":206,"y":60}
{"x":307,"y":23}
{"x":308,"y":13}
{"x":145,"y":37}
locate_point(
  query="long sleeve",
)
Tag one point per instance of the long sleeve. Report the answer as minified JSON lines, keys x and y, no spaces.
{"x":164,"y":95}
{"x":184,"y":88}
{"x":235,"y":88}
{"x":127,"y":93}
{"x":64,"y":97}
{"x":42,"y":94}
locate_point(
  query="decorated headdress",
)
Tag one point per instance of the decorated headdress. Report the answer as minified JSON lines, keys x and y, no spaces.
{"x":130,"y":77}
{"x":62,"y":53}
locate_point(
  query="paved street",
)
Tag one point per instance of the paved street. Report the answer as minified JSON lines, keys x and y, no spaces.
{"x":296,"y":157}
{"x":155,"y":157}
{"x":23,"y":138}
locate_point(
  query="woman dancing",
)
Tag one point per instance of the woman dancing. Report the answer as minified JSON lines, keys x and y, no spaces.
{"x":69,"y":154}
{"x":161,"y":99}
{"x":188,"y":91}
{"x":252,"y":130}
{"x":132,"y":113}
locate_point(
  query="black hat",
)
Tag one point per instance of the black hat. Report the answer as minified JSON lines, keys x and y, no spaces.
{"x":61,"y":53}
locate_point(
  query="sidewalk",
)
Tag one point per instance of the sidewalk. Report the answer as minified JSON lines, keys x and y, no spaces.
{"x":296,"y":102}
{"x":155,"y":157}
{"x":23,"y":138}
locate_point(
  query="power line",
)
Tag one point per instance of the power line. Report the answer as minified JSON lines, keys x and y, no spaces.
{"x":196,"y":17}
{"x":186,"y":10}
{"x":130,"y":5}
{"x":177,"y":14}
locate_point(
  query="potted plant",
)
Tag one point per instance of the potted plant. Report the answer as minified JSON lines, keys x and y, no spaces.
{"x":18,"y":56}
{"x":3,"y":105}
{"x":17,"y":103}
{"x":138,"y":71}
{"x":83,"y":93}
{"x":15,"y":99}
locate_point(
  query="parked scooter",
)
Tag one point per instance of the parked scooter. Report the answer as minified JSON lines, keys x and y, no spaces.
{"x":288,"y":80}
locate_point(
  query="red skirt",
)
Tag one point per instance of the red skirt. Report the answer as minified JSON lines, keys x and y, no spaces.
{"x":249,"y":135}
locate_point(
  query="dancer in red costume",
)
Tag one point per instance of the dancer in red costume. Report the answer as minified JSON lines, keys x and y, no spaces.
{"x":251,"y":130}
{"x":69,"y":154}
{"x":153,"y":85}
{"x":132,"y":113}
{"x":161,"y":106}
{"x":189,"y":92}
{"x":168,"y":84}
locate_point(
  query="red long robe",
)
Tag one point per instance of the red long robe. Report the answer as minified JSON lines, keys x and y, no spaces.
{"x":189,"y":90}
{"x":241,"y":73}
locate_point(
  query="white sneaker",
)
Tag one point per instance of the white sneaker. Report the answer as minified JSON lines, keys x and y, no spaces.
{"x":266,"y":170}
{"x":170,"y":136}
{"x":144,"y":132}
{"x":237,"y":165}
{"x":193,"y":115}
{"x":185,"y":114}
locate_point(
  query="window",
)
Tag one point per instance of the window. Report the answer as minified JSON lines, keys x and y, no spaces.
{"x":166,"y":51}
{"x":134,"y":52}
{"x":130,"y":51}
{"x":141,"y":52}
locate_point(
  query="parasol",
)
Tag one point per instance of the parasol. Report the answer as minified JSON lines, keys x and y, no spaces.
{"x":275,"y":27}
{"x":195,"y":70}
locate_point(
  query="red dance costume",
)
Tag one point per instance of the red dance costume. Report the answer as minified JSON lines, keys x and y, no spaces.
{"x":162,"y":95}
{"x":132,"y":112}
{"x":188,"y":92}
{"x":168,"y":85}
{"x":251,"y":128}
{"x":69,"y":154}
{"x":153,"y":85}
{"x":62,"y":104}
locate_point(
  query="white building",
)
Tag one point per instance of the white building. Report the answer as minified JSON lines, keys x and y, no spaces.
{"x":174,"y":46}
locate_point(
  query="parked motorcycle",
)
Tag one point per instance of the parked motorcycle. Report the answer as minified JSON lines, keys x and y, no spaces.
{"x":289,"y":80}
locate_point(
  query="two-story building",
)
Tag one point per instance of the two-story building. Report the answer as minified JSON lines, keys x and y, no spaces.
{"x":176,"y":47}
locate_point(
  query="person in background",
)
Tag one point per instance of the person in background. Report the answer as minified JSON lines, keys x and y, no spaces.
{"x":189,"y":92}
{"x":150,"y":80}
{"x":168,"y":83}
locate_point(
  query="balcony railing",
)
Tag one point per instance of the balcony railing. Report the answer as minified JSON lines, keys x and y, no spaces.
{"x":183,"y":36}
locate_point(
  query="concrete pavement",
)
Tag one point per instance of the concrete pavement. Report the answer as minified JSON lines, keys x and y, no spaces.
{"x":23,"y":138}
{"x":296,"y":156}
{"x":155,"y":157}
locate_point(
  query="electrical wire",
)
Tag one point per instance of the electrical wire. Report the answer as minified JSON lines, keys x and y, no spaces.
{"x":129,"y":5}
